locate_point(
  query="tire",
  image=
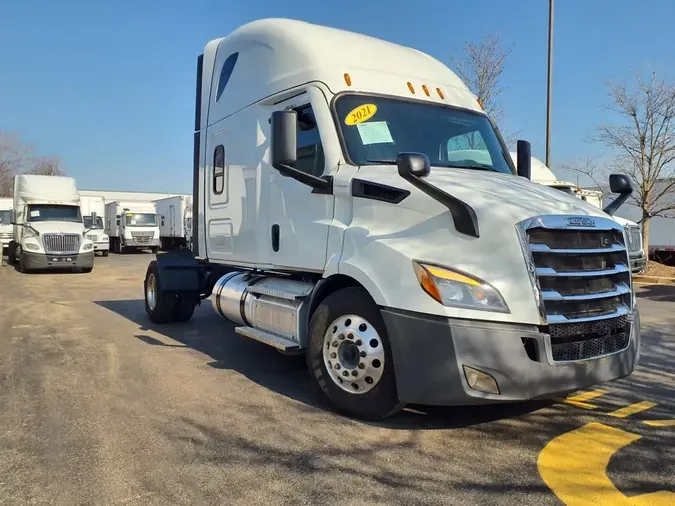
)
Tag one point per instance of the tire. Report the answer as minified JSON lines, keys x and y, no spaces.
{"x":87,"y":270}
{"x":11,"y":253}
{"x":337,"y":310}
{"x":184,"y":307}
{"x":155,"y":250}
{"x":160,"y":306}
{"x":20,"y":266}
{"x":104,"y":253}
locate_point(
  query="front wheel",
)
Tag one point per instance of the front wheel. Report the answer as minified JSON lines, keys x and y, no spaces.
{"x":349,"y":355}
{"x":159,"y":305}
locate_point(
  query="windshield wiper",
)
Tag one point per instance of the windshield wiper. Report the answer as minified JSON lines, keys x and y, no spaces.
{"x":472,"y":167}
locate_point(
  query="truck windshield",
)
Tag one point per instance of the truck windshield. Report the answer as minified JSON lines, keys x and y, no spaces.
{"x":50,"y":212}
{"x":141,"y":220}
{"x":4,"y":217}
{"x":88,"y":222}
{"x":376,"y":129}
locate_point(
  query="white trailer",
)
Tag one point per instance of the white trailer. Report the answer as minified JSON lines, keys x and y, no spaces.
{"x":131,"y":226}
{"x":48,"y":229}
{"x":354,"y":203}
{"x":5,"y":225}
{"x":93,"y":210}
{"x":175,"y":216}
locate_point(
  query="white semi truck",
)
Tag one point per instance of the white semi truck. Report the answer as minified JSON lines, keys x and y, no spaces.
{"x":48,"y":229}
{"x":342,"y":211}
{"x":175,"y":219}
{"x":544,"y":175}
{"x":132,"y":226}
{"x":5,"y":225}
{"x":93,"y":210}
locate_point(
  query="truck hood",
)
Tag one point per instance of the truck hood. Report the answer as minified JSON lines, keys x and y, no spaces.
{"x":421,"y":229}
{"x":492,"y":194}
{"x":58,"y":227}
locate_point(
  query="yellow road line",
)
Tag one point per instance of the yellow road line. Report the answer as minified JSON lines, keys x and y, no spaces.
{"x":632,"y":409}
{"x":660,"y":423}
{"x":579,"y":400}
{"x":574,"y":467}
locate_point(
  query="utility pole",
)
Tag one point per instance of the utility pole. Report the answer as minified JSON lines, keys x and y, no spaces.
{"x":548,"y":83}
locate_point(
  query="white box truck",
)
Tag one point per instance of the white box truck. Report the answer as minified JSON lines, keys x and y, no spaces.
{"x":132,"y":226}
{"x":5,"y":225}
{"x":175,"y":216}
{"x":48,"y":231}
{"x":344,"y":210}
{"x":93,"y":210}
{"x":544,"y":175}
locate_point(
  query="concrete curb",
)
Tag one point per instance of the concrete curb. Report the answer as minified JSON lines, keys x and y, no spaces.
{"x":657,"y":280}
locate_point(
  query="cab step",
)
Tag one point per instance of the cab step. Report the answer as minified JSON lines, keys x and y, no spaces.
{"x":278,"y":342}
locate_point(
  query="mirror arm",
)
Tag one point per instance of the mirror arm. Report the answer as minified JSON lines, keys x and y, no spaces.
{"x":314,"y":182}
{"x":463,"y":215}
{"x":615,"y":204}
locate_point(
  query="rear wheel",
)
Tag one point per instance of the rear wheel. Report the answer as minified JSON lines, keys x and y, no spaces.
{"x":104,"y":253}
{"x":159,"y":305}
{"x":349,"y":355}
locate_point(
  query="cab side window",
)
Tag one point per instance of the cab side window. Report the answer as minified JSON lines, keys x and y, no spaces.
{"x":310,"y":152}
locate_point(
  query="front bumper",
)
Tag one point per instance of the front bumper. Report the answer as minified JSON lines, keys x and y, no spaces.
{"x":637,"y":263}
{"x":131,"y":243}
{"x":44,"y":261}
{"x":102,"y":246}
{"x":429,"y":353}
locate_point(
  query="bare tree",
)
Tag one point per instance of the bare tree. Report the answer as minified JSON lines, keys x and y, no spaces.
{"x":644,"y":141}
{"x":46,"y":166}
{"x":589,"y":168}
{"x":13,"y":155}
{"x":480,"y":66}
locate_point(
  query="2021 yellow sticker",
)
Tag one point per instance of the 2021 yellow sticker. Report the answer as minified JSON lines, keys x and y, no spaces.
{"x":360,"y":114}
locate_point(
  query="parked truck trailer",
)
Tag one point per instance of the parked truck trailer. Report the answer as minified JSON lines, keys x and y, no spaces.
{"x":48,"y":231}
{"x":93,"y":210}
{"x":132,"y":226}
{"x":175,"y":216}
{"x":344,"y":210}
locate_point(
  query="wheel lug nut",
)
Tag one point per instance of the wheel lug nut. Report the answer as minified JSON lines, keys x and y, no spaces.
{"x":345,"y":373}
{"x":337,"y":366}
{"x":354,"y":373}
{"x":362,"y":365}
{"x":362,"y":354}
{"x":341,"y":337}
{"x":359,"y":342}
{"x":333,"y":355}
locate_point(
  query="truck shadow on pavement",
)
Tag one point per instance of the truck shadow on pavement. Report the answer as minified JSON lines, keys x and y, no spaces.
{"x":209,"y":334}
{"x":659,"y":293}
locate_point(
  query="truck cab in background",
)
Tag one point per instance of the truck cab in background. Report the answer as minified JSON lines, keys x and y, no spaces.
{"x":353,"y":202}
{"x":544,"y":175}
{"x":93,"y":210}
{"x":48,"y":231}
{"x":5,"y":224}
{"x":132,"y":226}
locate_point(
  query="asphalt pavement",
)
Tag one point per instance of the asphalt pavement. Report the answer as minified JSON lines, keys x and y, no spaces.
{"x":99,"y":406}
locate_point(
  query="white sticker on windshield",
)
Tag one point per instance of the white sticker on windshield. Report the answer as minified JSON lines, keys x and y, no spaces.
{"x":132,"y":222}
{"x":35,"y":214}
{"x":374,"y":132}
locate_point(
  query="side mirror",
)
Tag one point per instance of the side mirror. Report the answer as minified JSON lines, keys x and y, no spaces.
{"x":415,"y":164}
{"x":284,"y":138}
{"x":12,"y":217}
{"x":620,"y":183}
{"x":93,"y":217}
{"x":524,"y":167}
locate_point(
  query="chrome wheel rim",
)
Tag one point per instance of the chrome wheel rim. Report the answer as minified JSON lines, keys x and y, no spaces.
{"x":151,"y":292}
{"x":353,"y":354}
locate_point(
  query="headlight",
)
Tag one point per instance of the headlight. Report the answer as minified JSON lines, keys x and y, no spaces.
{"x":87,"y":246}
{"x":31,"y":245}
{"x":104,"y":237}
{"x":455,"y":289}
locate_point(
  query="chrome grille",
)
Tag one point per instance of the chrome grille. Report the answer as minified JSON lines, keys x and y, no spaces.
{"x":142,"y":237}
{"x":67,"y":244}
{"x":582,"y":276}
{"x":5,"y":235}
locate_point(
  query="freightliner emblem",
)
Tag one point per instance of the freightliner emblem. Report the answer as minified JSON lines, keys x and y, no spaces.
{"x":580,"y":221}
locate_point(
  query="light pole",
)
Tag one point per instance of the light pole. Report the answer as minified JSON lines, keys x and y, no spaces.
{"x":548,"y":83}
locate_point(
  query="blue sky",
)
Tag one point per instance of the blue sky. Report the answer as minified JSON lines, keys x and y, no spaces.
{"x":109,"y":86}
